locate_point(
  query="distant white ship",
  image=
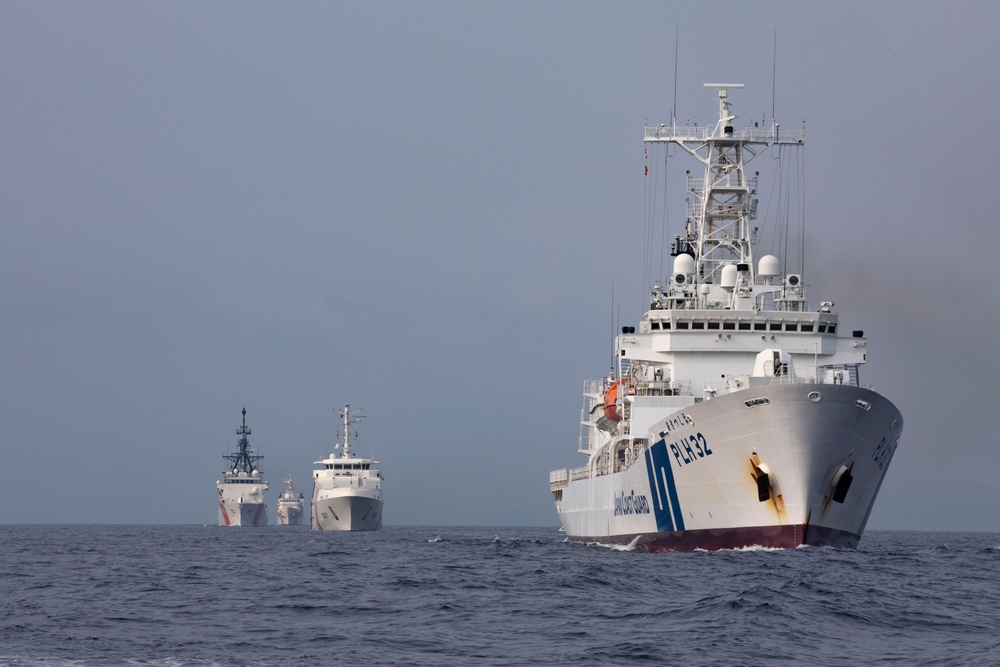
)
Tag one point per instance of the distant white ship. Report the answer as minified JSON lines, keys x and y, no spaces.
{"x":347,"y":490}
{"x":290,"y":506}
{"x":241,"y":490}
{"x":734,"y":414}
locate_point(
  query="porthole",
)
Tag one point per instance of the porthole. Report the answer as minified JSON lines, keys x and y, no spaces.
{"x":815,"y":396}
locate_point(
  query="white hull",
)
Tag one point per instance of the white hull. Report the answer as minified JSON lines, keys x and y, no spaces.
{"x":290,"y":514}
{"x":695,"y":486}
{"x":734,"y":413}
{"x":241,"y":490}
{"x":235,"y":513}
{"x":347,"y":490}
{"x":348,"y":510}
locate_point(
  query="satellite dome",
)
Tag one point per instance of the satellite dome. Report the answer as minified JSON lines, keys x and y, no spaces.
{"x":684,"y":264}
{"x":768,"y":266}
{"x":728,"y":278}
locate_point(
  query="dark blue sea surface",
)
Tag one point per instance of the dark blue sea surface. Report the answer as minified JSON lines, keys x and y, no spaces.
{"x":202,"y":595}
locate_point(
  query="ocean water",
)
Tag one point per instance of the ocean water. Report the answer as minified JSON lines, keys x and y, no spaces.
{"x":203,"y":595}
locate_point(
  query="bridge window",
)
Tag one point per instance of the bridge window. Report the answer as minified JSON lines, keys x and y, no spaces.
{"x":713,"y":325}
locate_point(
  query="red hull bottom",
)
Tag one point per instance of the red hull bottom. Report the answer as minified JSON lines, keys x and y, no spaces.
{"x":772,"y":537}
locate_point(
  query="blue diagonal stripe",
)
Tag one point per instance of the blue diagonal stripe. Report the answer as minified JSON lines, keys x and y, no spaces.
{"x":661,"y":510}
{"x":665,"y":477}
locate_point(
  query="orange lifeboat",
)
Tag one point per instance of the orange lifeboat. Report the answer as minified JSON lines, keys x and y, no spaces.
{"x":611,"y":402}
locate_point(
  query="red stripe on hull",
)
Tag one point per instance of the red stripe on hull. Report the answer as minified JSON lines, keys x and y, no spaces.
{"x":225,"y":515}
{"x":772,"y":537}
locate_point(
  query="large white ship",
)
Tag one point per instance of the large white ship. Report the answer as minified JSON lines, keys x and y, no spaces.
{"x":290,"y":505}
{"x":734,"y":414}
{"x":347,"y":490}
{"x":241,"y":490}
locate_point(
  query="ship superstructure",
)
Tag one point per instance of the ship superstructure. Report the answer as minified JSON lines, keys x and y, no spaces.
{"x":734,"y":414}
{"x":290,"y":505}
{"x":241,"y":489}
{"x":347,"y":489}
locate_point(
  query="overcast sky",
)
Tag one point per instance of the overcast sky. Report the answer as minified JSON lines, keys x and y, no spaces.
{"x":422,"y":209}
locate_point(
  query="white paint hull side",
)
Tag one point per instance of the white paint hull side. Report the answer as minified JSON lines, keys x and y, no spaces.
{"x":289,"y":515}
{"x":347,"y":509}
{"x":235,"y":513}
{"x":679,"y":496}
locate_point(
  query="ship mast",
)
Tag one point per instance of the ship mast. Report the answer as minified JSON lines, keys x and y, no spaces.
{"x":348,"y":421}
{"x":723,"y":200}
{"x":244,"y":460}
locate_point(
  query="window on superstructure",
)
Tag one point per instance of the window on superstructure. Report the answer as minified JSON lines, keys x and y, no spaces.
{"x":791,"y":327}
{"x":697,"y":325}
{"x":832,"y":329}
{"x":728,"y":326}
{"x":744,"y":326}
{"x":774,"y":326}
{"x":682,"y":325}
{"x":807,"y":328}
{"x":822,"y":328}
{"x":654,"y":325}
{"x":759,"y":326}
{"x":713,"y":325}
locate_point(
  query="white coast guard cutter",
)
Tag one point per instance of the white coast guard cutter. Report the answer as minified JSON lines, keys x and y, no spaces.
{"x":734,"y":414}
{"x":241,"y":489}
{"x":347,"y":489}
